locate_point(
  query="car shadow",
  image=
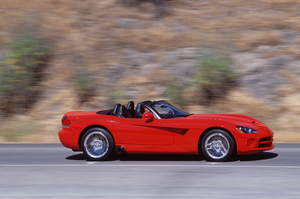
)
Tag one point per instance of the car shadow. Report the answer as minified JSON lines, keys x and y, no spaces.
{"x":257,"y":157}
{"x":143,"y":157}
{"x":164,"y":157}
{"x":76,"y":157}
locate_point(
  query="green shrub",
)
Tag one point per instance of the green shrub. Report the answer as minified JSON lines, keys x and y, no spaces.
{"x":214,"y":77}
{"x":20,"y":71}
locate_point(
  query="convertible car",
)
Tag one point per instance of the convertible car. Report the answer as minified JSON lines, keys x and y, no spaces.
{"x":159,"y":127}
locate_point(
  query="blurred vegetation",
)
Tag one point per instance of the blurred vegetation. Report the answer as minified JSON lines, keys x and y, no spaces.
{"x":214,"y":76}
{"x":163,"y":7}
{"x":108,"y":33}
{"x":20,"y":72}
{"x":213,"y":79}
{"x":114,"y":96}
{"x":84,"y":86}
{"x":176,"y":93}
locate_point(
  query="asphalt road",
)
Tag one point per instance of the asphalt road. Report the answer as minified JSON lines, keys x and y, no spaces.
{"x":52,"y":171}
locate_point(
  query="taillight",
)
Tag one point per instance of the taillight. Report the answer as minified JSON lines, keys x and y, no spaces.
{"x":65,"y":121}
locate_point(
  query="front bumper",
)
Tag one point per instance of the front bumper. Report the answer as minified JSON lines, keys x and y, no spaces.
{"x":255,"y":143}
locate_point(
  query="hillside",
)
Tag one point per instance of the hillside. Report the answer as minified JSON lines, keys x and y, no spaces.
{"x":131,"y":52}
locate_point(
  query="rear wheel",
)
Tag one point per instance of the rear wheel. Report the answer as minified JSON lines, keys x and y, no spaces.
{"x":97,"y":144}
{"x":217,"y":145}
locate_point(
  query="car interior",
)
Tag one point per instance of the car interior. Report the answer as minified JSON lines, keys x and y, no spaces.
{"x":128,"y":111}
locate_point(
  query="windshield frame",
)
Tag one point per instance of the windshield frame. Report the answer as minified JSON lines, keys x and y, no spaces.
{"x":176,"y":112}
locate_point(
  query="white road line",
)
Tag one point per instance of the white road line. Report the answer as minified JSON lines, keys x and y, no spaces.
{"x":131,"y":165}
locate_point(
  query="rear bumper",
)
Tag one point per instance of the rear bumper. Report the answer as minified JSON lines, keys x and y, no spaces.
{"x":66,"y":137}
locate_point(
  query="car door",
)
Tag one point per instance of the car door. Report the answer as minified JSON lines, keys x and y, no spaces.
{"x":180,"y":127}
{"x":142,"y":131}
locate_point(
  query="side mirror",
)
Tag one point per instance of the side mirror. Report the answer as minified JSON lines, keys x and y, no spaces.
{"x":148,"y":116}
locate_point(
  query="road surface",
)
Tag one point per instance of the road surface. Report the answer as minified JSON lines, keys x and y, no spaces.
{"x":52,"y":171}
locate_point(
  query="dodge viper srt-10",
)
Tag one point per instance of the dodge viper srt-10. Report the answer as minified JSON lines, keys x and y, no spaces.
{"x":159,"y":127}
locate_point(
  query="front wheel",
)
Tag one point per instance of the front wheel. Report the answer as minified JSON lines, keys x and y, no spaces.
{"x":217,"y":145}
{"x":97,"y":144}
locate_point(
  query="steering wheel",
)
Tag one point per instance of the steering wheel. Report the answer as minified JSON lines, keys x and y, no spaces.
{"x":169,"y":114}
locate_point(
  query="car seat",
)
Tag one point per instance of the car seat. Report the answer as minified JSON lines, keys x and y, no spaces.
{"x":139,"y":110}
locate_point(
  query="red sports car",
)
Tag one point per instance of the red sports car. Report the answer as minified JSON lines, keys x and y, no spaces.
{"x":159,"y":127}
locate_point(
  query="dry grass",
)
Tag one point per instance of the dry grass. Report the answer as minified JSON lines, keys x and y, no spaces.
{"x":255,"y":39}
{"x":25,"y":129}
{"x":294,"y":51}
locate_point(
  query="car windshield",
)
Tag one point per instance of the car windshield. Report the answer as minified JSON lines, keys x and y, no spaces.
{"x":167,"y":110}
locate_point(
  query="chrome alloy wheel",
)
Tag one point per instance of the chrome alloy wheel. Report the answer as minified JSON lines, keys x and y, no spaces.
{"x":96,"y":144}
{"x":217,"y":146}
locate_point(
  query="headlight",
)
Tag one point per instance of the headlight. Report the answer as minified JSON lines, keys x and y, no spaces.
{"x":243,"y":129}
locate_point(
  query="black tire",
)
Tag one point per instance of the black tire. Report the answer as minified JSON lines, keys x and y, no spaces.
{"x":217,"y":145}
{"x":97,"y":144}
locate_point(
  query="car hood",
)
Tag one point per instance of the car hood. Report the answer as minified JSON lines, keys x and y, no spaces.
{"x":233,"y":118}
